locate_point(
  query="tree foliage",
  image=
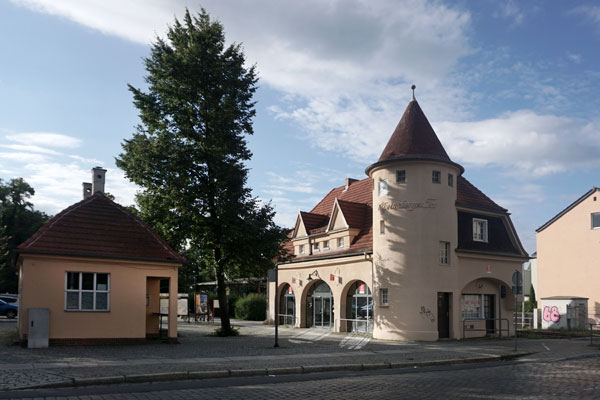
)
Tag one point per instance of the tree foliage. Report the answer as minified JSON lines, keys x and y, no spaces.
{"x":18,"y":221}
{"x":189,"y":154}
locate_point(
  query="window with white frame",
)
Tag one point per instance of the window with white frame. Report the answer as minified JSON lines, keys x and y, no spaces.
{"x":87,"y":291}
{"x":480,"y":230}
{"x":445,"y":253}
{"x":401,"y":176}
{"x":326,"y":245}
{"x":383,"y":297}
{"x":340,"y":242}
{"x":450,"y":180}
{"x":436,"y":177}
{"x":382,"y":187}
{"x":471,"y":306}
{"x":317,"y":246}
{"x":301,"y":249}
{"x":382,"y":227}
{"x":595,"y":220}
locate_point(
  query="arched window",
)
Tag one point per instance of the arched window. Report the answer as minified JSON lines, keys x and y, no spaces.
{"x":359,"y":308}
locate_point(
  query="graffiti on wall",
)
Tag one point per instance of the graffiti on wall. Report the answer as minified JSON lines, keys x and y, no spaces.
{"x":426,"y":313}
{"x":551,"y":314}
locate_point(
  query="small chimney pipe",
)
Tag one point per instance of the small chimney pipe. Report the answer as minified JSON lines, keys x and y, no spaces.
{"x":98,"y":176}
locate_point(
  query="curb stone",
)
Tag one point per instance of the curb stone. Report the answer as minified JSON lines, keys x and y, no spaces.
{"x":260,"y":372}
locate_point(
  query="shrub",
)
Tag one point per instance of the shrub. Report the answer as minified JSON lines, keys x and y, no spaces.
{"x":252,"y":307}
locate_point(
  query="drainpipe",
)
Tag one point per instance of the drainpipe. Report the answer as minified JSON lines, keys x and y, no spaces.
{"x":372,"y":294}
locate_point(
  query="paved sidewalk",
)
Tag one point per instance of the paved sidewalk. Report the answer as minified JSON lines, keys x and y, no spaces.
{"x":301,"y":350}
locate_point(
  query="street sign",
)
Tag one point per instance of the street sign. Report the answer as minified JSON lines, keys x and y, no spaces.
{"x":517,"y":279}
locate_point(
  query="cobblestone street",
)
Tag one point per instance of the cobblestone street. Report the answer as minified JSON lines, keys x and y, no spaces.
{"x":574,"y":379}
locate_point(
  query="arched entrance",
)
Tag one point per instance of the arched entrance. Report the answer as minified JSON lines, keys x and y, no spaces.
{"x":359,"y":308}
{"x":319,"y":306}
{"x":287,"y":306}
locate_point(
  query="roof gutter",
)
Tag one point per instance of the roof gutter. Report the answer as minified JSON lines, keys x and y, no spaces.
{"x":330,"y":256}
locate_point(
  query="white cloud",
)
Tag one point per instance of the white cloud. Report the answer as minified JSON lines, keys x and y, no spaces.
{"x":523,"y":141}
{"x":590,"y":13}
{"x":29,"y":148}
{"x":510,"y":9}
{"x":45,"y":139}
{"x":576,"y":58}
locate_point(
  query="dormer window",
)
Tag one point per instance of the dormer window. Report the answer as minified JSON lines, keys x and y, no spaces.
{"x":301,"y":249}
{"x":480,"y":230}
{"x":401,"y":176}
{"x":326,"y":245}
{"x":340,"y":242}
{"x":382,"y":187}
{"x":436,"y":177}
{"x":316,"y":246}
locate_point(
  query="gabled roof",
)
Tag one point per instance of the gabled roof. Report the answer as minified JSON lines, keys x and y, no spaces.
{"x":313,"y":222}
{"x":356,"y":204}
{"x":100,"y":228}
{"x":569,"y":208}
{"x":469,"y":196}
{"x":414,"y":139}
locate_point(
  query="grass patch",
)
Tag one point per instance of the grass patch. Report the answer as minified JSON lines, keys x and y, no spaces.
{"x":220,"y":332}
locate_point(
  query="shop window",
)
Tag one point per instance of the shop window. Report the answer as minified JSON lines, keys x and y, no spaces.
{"x":87,"y":291}
{"x":436,"y":177}
{"x":383,"y":297}
{"x":383,"y":187}
{"x":445,"y":253}
{"x":471,"y":306}
{"x":595,"y":220}
{"x":480,"y":230}
{"x":340,"y":242}
{"x":401,"y":176}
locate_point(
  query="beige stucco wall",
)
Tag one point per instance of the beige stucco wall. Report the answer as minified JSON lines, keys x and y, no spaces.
{"x":42,"y":285}
{"x":567,"y":251}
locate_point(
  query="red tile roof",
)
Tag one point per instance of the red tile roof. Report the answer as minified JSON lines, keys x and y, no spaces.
{"x":357,"y":202}
{"x":313,"y":222}
{"x":469,"y":196}
{"x":99,"y":227}
{"x":414,"y":139}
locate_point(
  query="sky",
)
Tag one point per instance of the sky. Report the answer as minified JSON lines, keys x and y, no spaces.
{"x":511,"y":89}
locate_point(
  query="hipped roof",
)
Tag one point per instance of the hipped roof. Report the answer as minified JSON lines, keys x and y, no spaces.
{"x":100,"y":228}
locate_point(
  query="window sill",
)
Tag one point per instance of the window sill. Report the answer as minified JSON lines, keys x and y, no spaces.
{"x":92,"y":311}
{"x":384,"y":305}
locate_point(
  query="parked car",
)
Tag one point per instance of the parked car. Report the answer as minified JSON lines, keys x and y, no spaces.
{"x":8,"y":310}
{"x":9,"y":298}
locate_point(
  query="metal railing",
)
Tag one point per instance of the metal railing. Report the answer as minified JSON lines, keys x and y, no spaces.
{"x":498,"y":328}
{"x":524,"y":320}
{"x":287,"y":319}
{"x":355,"y":325}
{"x":592,"y":325}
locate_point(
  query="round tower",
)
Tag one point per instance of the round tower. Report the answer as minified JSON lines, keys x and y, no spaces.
{"x":414,"y":232}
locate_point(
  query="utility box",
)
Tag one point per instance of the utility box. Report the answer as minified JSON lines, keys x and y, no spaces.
{"x":38,"y":328}
{"x":564,"y":312}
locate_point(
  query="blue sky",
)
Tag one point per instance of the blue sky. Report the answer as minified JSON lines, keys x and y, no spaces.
{"x":510,"y":88}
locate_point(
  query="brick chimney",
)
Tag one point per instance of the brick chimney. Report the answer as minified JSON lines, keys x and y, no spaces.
{"x":87,"y":189}
{"x":98,"y":174}
{"x":349,"y":181}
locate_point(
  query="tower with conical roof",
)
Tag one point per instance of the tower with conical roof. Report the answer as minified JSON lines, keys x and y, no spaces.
{"x":414,"y":222}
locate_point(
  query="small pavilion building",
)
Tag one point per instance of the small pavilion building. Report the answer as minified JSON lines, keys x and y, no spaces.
{"x":412,"y":252}
{"x":96,"y":271}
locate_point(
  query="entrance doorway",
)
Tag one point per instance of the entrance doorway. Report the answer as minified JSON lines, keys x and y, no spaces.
{"x":319,"y":306}
{"x":359,"y":308}
{"x":489,"y":313}
{"x":443,"y":302}
{"x":287,"y":308}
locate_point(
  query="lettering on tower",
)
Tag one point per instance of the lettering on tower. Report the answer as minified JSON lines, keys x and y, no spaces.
{"x":408,"y":205}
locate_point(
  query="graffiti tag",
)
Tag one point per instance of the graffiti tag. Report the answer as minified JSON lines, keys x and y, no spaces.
{"x":551,"y":314}
{"x":426,"y":313}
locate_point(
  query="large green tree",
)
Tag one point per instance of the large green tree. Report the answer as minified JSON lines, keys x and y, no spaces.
{"x":189,"y":154}
{"x":18,"y":221}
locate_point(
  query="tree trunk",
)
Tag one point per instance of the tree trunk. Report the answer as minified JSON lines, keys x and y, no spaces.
{"x":222,"y":293}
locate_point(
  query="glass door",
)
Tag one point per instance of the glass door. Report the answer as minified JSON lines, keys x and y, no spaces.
{"x":326,"y":311}
{"x":318,"y":308}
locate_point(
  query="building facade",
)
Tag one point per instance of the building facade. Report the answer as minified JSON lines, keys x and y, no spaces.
{"x":412,"y":252}
{"x":567,"y":254}
{"x":95,"y":271}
